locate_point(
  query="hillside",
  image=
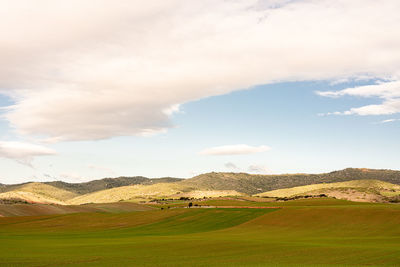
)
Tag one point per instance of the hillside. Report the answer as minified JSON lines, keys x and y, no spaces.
{"x":29,"y":197}
{"x":38,"y":193}
{"x":47,"y":191}
{"x":204,"y":185}
{"x":356,"y":190}
{"x":254,"y":184}
{"x":107,"y":183}
{"x":146,"y":192}
{"x":97,"y":185}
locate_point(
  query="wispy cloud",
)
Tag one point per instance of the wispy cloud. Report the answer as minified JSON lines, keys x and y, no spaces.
{"x":125,"y":70}
{"x":257,"y":168}
{"x":23,"y":153}
{"x":388,"y":121}
{"x":231,"y":166}
{"x":252,"y":168}
{"x":389,"y":92}
{"x":234,"y":150}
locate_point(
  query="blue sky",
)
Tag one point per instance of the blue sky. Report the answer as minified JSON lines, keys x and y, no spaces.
{"x":177,"y":88}
{"x":283,"y":116}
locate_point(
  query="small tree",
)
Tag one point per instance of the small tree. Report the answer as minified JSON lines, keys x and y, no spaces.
{"x":190,"y":204}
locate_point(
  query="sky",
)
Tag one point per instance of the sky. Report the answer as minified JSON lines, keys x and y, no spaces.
{"x":177,"y":88}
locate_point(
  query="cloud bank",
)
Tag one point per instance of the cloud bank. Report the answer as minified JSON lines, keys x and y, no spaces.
{"x":234,"y":150}
{"x":23,"y":152}
{"x":86,"y":70}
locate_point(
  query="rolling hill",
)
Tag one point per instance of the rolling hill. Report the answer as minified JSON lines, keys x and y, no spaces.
{"x":96,"y":185}
{"x":356,"y":190}
{"x":140,"y":192}
{"x":38,"y":193}
{"x":253,"y":184}
{"x":204,"y":185}
{"x":107,"y":183}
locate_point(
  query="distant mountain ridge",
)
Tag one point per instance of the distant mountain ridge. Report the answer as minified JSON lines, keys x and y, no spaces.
{"x":96,"y":185}
{"x":253,"y":184}
{"x":208,"y":184}
{"x":108,"y":183}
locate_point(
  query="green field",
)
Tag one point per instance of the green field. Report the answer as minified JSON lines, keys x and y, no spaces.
{"x":313,"y":232}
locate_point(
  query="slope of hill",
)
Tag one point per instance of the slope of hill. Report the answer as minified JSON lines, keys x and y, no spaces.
{"x":38,"y":193}
{"x":107,"y":183}
{"x":209,"y":184}
{"x":128,"y":192}
{"x":254,"y":184}
{"x":47,"y":190}
{"x":356,"y":190}
{"x":30,"y":197}
{"x":140,"y":192}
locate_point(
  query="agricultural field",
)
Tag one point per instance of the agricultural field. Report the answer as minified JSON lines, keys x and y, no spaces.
{"x":307,"y":232}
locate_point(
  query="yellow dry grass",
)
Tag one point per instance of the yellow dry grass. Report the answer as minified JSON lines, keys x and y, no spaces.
{"x":30,"y":197}
{"x":129,"y":192}
{"x":209,"y":193}
{"x":160,"y":190}
{"x":47,"y":191}
{"x":40,"y":193}
{"x":378,"y":186}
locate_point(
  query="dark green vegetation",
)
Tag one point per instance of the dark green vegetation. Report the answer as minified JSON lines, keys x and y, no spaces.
{"x":310,"y":232}
{"x":13,"y":201}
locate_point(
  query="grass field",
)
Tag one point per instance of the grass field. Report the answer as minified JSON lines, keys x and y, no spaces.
{"x":312,"y":232}
{"x":48,"y":209}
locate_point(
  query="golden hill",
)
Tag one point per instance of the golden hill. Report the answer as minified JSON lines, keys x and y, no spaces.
{"x":30,"y":197}
{"x":160,"y":190}
{"x":47,"y":191}
{"x":342,"y":184}
{"x":356,"y":190}
{"x":39,"y":193}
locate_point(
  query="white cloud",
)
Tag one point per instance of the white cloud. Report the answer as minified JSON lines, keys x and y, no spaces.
{"x":389,"y":120}
{"x":232,"y":166}
{"x":84,"y":70}
{"x":262,"y":169}
{"x":234,"y":150}
{"x":23,"y":152}
{"x":385,"y":90}
{"x":253,"y":168}
{"x":389,"y":92}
